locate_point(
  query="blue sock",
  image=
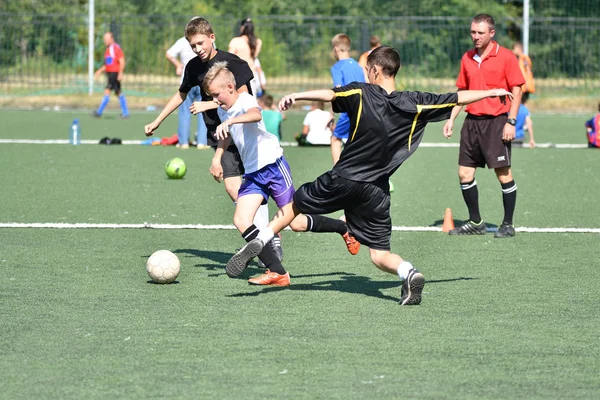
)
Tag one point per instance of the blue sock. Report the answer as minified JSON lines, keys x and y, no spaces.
{"x":124,"y":109}
{"x":103,"y":104}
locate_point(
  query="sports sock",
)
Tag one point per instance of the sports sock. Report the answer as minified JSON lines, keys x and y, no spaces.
{"x":103,"y":104}
{"x":509,"y":198}
{"x":403,"y":269}
{"x":261,"y":218}
{"x":123,"y":102}
{"x":267,"y":255}
{"x":471,"y":196}
{"x":319,"y":223}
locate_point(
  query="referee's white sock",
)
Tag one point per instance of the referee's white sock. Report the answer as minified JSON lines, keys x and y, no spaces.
{"x":403,"y":269}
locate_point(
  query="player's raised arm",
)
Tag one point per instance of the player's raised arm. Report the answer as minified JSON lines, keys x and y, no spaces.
{"x":471,"y":96}
{"x":286,"y":102}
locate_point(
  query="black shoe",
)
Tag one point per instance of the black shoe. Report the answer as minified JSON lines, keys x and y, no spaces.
{"x":96,"y":115}
{"x":124,"y":116}
{"x":412,"y":287}
{"x":505,"y":230}
{"x":237,"y":264}
{"x":469,"y":228}
{"x":275,"y":245}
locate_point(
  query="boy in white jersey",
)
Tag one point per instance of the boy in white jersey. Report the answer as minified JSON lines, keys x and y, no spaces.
{"x":267,"y":173}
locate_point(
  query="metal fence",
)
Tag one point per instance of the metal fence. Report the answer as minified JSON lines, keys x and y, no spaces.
{"x":41,"y":54}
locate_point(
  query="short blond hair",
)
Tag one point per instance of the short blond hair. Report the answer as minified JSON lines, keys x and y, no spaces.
{"x":218,"y":70}
{"x":341,"y":41}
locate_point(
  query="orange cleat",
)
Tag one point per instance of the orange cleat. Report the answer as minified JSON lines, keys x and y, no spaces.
{"x":351,"y":243}
{"x":271,"y":278}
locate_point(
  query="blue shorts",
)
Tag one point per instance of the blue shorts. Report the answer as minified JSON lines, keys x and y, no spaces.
{"x":273,"y":180}
{"x":342,"y":127}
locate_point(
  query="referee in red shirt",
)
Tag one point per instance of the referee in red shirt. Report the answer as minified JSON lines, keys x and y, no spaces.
{"x":486,"y":135}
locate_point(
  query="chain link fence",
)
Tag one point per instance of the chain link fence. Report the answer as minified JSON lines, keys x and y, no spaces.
{"x":47,"y":54}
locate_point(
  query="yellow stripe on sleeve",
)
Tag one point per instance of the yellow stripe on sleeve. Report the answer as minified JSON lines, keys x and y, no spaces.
{"x":350,"y":93}
{"x":421,"y":107}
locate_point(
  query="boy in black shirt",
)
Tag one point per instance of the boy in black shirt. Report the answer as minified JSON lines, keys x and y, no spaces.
{"x":201,"y":37}
{"x":386,"y":127}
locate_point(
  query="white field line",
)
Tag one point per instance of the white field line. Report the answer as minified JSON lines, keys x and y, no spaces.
{"x":147,"y":225}
{"x":284,"y":144}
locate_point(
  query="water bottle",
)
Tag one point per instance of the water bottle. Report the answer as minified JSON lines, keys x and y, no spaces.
{"x":75,"y":133}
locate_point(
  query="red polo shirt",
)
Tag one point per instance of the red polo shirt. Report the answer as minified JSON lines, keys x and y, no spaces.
{"x":498,"y":70}
{"x":112,"y":58}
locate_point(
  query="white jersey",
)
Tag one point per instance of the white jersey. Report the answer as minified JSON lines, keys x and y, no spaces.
{"x":318,"y":132}
{"x":258,"y":148}
{"x":181,"y":49}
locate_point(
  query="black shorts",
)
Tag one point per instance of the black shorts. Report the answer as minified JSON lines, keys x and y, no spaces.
{"x":366,"y":206}
{"x":231,"y":161}
{"x":113,"y":82}
{"x":481,"y":143}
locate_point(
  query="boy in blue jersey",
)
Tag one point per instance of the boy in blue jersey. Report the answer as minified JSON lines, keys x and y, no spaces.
{"x":524,"y":124}
{"x":346,"y":70}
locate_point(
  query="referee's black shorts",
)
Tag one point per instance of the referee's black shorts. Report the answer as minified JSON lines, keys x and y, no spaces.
{"x":366,"y":206}
{"x":481,"y":142}
{"x":113,"y":83}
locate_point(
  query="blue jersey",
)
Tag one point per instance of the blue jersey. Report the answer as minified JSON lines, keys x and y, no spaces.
{"x":343,"y":73}
{"x":521,"y":117}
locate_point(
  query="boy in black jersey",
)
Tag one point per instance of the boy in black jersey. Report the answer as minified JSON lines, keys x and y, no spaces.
{"x":386,"y":127}
{"x":201,"y":37}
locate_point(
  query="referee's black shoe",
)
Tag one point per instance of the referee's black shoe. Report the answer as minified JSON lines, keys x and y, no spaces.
{"x":412,"y":287}
{"x":505,"y":230}
{"x":469,"y":228}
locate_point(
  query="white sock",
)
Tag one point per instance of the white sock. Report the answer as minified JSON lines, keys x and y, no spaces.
{"x":403,"y":269}
{"x":261,"y":218}
{"x":265,"y":234}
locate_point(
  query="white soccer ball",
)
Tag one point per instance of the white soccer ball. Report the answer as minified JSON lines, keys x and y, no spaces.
{"x":163,"y":266}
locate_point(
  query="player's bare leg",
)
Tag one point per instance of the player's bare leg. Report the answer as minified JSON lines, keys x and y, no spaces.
{"x":412,"y":280}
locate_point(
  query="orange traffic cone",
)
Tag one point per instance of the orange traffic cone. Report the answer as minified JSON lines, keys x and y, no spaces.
{"x":448,"y":224}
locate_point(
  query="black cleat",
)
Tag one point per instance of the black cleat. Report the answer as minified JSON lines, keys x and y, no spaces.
{"x":469,"y":228}
{"x":237,"y":264}
{"x":505,"y":230}
{"x":123,"y":116}
{"x":96,"y":115}
{"x":412,"y":287}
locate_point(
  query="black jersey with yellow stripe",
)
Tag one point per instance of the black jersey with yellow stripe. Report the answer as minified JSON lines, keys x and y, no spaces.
{"x":385,"y":129}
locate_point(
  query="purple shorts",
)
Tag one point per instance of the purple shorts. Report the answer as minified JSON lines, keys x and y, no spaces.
{"x":273,"y":180}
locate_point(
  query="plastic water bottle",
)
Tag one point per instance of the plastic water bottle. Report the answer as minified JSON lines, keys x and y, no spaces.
{"x":75,"y":133}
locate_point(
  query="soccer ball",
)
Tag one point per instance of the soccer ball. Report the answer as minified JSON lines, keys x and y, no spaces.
{"x":175,"y":168}
{"x":163,"y":266}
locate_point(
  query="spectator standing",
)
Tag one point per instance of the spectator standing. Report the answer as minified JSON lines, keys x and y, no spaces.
{"x":345,"y":71}
{"x":179,"y":54}
{"x":526,"y":69}
{"x":114,"y":66}
{"x":374,"y":42}
{"x":247,"y":47}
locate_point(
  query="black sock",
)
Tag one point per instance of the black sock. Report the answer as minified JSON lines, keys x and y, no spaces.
{"x":509,"y":198}
{"x":319,"y":223}
{"x":471,"y":196}
{"x":267,"y":255}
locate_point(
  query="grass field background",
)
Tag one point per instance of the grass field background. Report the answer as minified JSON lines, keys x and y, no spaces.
{"x":500,"y":318}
